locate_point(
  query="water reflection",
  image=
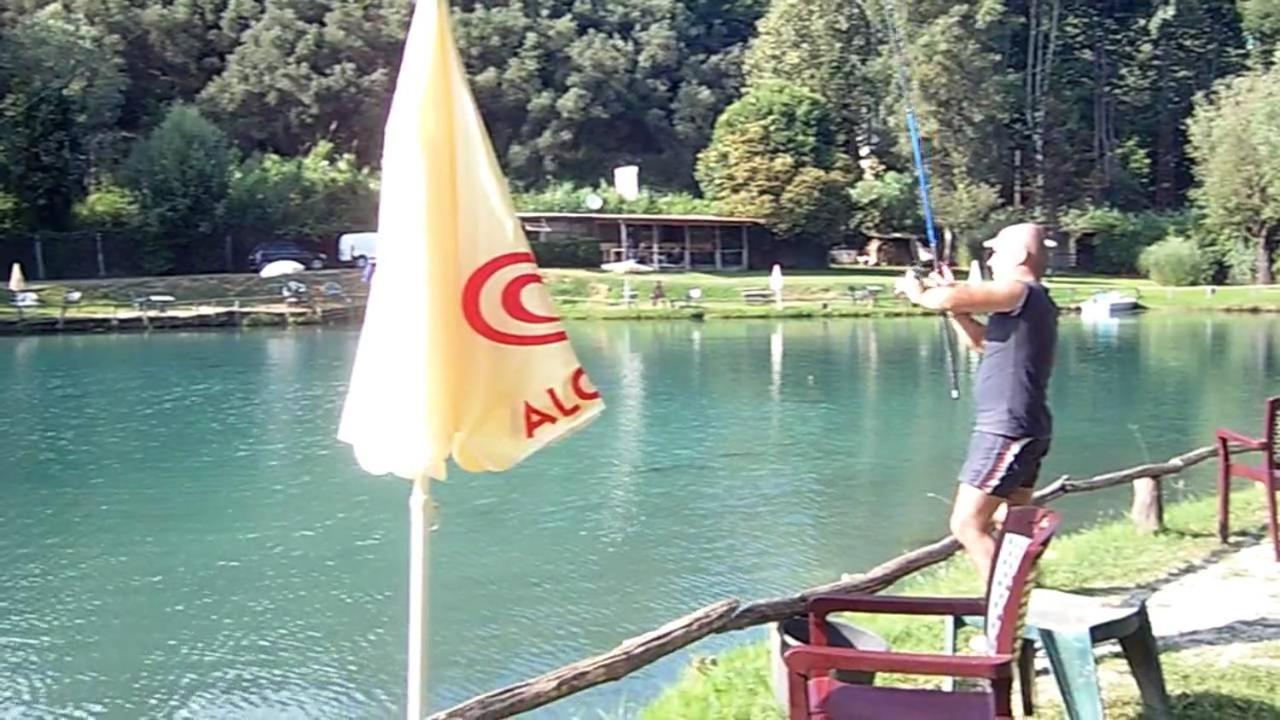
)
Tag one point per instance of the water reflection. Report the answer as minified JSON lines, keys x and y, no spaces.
{"x":189,"y":489}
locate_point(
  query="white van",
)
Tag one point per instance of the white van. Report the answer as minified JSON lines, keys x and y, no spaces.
{"x":359,"y":248}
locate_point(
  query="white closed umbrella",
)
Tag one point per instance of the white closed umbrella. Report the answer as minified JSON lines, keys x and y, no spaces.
{"x":775,"y":284}
{"x":280,"y":268}
{"x":17,"y":283}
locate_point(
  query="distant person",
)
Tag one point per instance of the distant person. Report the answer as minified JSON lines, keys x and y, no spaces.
{"x":1013,"y":426}
{"x":658,"y":294}
{"x":367,"y":274}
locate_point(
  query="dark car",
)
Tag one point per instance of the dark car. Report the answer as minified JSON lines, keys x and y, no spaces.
{"x":270,"y":251}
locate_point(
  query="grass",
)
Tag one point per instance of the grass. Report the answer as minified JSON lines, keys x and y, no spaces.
{"x":1110,"y":556}
{"x":593,"y":294}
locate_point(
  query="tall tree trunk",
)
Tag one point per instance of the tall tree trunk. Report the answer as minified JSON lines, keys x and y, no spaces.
{"x":1264,"y":259}
{"x":1039,"y":69}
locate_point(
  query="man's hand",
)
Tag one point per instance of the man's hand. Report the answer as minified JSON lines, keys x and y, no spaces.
{"x":910,"y":286}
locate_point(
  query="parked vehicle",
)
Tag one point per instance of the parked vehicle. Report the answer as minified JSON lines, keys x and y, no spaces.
{"x":272,"y":250}
{"x":359,"y":248}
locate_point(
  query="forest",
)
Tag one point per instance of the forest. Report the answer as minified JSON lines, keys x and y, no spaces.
{"x":180,"y":126}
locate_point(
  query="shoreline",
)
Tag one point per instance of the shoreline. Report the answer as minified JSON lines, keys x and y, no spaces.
{"x":339,"y":296}
{"x":350,"y":315}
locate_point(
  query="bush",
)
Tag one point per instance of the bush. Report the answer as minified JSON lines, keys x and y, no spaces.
{"x":108,"y":207}
{"x":1117,"y":237}
{"x":1174,"y":261}
{"x":10,"y":213}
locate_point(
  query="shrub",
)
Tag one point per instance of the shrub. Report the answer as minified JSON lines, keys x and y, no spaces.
{"x":1174,"y":261}
{"x":1118,"y":237}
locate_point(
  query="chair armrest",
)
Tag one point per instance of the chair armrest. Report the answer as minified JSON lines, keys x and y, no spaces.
{"x":1248,"y":443}
{"x":822,"y":605}
{"x":808,"y":660}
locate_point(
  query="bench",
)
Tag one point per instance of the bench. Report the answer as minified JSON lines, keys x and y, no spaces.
{"x":757,"y":296}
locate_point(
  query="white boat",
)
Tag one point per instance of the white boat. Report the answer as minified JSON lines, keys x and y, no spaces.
{"x":1109,"y":304}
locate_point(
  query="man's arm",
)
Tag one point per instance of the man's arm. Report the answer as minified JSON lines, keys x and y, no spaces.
{"x":986,"y":297}
{"x":972,"y":332}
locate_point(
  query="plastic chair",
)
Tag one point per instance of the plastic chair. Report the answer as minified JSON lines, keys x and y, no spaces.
{"x":815,"y":695}
{"x":1264,"y":473}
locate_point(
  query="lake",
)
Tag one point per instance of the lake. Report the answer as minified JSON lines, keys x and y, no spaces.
{"x":184,"y":537}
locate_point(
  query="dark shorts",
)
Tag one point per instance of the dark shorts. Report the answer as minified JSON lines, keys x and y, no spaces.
{"x":998,"y":465}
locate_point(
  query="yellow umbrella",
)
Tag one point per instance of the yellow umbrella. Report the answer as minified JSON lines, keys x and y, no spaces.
{"x":461,"y":354}
{"x":17,"y":283}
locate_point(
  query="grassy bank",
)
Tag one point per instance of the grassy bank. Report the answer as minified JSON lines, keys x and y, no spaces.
{"x":735,"y":685}
{"x":592,"y":294}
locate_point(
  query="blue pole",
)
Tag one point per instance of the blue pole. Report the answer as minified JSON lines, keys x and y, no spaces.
{"x":923,"y":175}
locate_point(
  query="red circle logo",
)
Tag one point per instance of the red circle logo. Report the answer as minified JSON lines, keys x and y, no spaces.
{"x":512,"y":303}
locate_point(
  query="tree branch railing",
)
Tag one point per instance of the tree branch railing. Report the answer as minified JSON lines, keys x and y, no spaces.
{"x":729,"y":615}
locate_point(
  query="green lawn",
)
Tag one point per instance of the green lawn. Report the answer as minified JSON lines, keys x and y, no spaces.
{"x":589,"y":293}
{"x":735,"y":685}
{"x":596,"y":294}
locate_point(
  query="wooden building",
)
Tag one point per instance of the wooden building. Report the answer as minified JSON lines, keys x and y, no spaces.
{"x":690,"y":242}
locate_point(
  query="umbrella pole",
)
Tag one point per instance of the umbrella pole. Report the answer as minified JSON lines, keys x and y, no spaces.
{"x":419,"y":536}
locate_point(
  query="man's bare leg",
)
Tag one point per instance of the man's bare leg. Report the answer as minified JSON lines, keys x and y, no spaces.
{"x":971,"y":523}
{"x":1021,"y":496}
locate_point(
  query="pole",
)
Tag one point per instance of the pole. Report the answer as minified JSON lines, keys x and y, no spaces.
{"x":626,"y":281}
{"x":922,"y":174}
{"x":419,"y":537}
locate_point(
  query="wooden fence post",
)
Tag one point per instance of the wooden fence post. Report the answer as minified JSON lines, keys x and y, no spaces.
{"x":1148,"y":505}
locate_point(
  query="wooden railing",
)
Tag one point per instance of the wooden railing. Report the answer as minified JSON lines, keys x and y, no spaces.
{"x":730,"y":614}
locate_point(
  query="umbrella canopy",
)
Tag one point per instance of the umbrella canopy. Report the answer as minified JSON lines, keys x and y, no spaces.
{"x":626,"y":266}
{"x":461,"y":354}
{"x":17,"y":283}
{"x":280,"y":268}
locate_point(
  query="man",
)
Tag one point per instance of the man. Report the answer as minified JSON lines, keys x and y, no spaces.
{"x":1013,"y":425}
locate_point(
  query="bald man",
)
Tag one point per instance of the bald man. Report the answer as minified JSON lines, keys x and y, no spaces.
{"x":1013,"y":427}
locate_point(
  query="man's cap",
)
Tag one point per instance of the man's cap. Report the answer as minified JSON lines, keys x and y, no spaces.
{"x":1024,"y":234}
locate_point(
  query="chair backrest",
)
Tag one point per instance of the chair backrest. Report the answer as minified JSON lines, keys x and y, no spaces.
{"x":1026,"y":533}
{"x":1273,"y":430}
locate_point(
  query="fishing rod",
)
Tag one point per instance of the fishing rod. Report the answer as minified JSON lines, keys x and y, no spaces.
{"x":922,"y":175}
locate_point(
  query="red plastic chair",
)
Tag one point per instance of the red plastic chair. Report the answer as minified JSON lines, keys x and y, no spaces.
{"x":1264,"y":473}
{"x":815,"y":695}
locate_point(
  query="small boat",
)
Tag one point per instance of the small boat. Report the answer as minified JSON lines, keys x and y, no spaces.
{"x":1109,"y":304}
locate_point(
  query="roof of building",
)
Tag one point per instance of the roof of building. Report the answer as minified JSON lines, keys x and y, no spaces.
{"x":644,"y":219}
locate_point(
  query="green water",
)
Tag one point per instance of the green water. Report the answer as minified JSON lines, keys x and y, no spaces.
{"x":183,"y":537}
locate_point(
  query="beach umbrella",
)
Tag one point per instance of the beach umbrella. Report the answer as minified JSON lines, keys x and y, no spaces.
{"x":461,"y":354}
{"x":17,"y":283}
{"x":626,"y":266}
{"x":280,"y":268}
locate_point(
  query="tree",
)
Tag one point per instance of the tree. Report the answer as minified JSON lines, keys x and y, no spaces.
{"x":1261,"y":19}
{"x":568,"y":90}
{"x":182,"y":172}
{"x":774,"y":156}
{"x":962,"y":95}
{"x":826,"y":47}
{"x":1235,"y":143}
{"x":321,"y":194}
{"x":309,"y":71}
{"x":61,"y":87}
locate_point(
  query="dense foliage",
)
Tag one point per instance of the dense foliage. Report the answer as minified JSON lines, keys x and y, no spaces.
{"x":1072,"y":111}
